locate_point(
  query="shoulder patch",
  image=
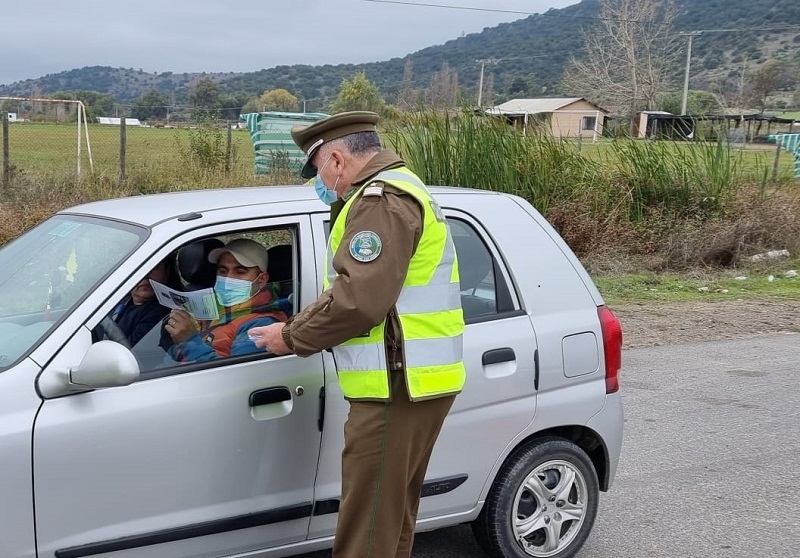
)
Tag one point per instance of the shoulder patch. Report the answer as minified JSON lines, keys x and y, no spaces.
{"x":437,"y":211}
{"x":374,"y":189}
{"x":365,"y":246}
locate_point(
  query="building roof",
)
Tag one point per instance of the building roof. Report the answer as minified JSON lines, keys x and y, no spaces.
{"x":534,"y":106}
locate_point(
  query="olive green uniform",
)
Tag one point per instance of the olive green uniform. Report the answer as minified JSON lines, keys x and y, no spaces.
{"x":387,"y":443}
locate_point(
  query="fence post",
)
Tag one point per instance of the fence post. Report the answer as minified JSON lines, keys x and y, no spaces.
{"x":123,"y":146}
{"x":775,"y":165}
{"x":6,"y":152}
{"x":228,"y":149}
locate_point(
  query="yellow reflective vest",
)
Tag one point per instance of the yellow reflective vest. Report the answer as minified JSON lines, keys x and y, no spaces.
{"x":428,"y":308}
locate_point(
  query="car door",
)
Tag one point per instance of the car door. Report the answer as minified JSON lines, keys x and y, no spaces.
{"x":497,"y":403}
{"x":203,"y":460}
{"x":499,"y":398}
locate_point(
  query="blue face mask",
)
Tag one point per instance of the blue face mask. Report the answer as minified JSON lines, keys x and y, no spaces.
{"x":231,"y":292}
{"x":323,"y":193}
{"x":327,"y":196}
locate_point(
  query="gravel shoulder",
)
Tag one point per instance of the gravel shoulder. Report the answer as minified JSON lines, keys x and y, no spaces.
{"x":675,"y":323}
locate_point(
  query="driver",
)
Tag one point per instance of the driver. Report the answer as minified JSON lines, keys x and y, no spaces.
{"x":140,"y":311}
{"x":244,"y":301}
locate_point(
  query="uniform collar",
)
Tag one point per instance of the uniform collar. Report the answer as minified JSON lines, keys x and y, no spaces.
{"x":385,"y":160}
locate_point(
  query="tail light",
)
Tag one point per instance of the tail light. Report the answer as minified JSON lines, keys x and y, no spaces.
{"x":612,"y":346}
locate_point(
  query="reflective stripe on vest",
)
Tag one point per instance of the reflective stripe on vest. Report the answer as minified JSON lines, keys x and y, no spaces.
{"x":428,"y":308}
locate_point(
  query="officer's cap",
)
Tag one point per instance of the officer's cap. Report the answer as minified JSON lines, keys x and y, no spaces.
{"x":310,"y":138}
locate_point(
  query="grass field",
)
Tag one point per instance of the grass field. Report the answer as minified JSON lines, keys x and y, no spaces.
{"x":53,"y":147}
{"x":758,"y":158}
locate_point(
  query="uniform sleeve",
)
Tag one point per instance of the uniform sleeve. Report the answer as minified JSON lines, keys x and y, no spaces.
{"x":363,"y":293}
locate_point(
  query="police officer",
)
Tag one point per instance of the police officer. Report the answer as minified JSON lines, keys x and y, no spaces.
{"x":391,"y":313}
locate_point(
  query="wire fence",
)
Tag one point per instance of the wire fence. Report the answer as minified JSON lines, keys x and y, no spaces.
{"x":123,"y":147}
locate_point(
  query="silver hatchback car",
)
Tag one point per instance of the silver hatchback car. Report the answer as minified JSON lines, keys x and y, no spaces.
{"x":108,"y":447}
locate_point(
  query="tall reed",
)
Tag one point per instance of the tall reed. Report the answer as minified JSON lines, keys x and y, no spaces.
{"x":477,"y":151}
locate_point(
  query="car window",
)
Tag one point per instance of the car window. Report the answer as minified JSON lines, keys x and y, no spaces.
{"x":45,"y":273}
{"x":190,"y":280}
{"x":484,"y":291}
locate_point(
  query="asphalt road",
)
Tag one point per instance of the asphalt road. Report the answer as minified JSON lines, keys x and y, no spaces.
{"x":711,"y":458}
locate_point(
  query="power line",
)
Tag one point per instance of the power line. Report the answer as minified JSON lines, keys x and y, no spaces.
{"x":492,"y":10}
{"x":742,"y":29}
{"x":570,"y":16}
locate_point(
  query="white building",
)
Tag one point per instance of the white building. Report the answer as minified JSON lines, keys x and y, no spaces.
{"x":112,"y":121}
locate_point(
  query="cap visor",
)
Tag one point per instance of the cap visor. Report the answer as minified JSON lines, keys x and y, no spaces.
{"x":308,"y":170}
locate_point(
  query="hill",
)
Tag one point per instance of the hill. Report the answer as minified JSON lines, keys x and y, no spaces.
{"x":529,"y":57}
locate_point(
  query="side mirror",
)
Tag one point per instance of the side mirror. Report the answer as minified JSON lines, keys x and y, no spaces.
{"x":106,"y":364}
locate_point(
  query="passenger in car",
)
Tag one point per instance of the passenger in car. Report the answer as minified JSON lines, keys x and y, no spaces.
{"x":244,"y":301}
{"x":140,"y":311}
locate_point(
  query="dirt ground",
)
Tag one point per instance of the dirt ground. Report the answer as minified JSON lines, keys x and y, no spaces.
{"x":650,"y":324}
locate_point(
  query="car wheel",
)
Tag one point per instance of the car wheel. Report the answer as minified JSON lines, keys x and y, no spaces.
{"x":542,"y":504}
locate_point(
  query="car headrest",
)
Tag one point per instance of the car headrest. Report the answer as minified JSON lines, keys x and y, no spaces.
{"x":279,"y":263}
{"x":194,"y":266}
{"x":474,"y":262}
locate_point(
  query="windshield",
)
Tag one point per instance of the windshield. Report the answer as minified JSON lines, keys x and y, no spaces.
{"x":45,"y":272}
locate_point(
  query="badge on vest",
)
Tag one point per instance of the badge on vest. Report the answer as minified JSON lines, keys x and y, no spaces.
{"x":366,"y":246}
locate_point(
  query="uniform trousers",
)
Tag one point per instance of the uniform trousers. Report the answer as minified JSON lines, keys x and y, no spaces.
{"x":387,"y":447}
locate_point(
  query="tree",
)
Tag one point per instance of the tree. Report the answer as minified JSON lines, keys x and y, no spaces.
{"x":408,"y":95}
{"x":796,"y":98}
{"x":358,"y":94}
{"x":278,"y":99}
{"x":522,"y":86}
{"x":96,"y":103}
{"x":628,"y":55}
{"x":252,"y":105}
{"x":698,"y":103}
{"x":764,"y":81}
{"x":443,"y":91}
{"x":205,"y":96}
{"x":151,"y":105}
{"x":232,"y":104}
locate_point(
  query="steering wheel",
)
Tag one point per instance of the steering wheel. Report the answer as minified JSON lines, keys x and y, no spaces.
{"x":114,"y":332}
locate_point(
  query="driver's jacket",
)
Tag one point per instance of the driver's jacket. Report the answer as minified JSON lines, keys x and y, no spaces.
{"x":227,"y":336}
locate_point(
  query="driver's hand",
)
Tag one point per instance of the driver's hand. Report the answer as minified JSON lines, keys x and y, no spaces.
{"x":181,"y":326}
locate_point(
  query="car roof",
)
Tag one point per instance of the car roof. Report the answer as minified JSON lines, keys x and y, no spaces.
{"x":151,"y":209}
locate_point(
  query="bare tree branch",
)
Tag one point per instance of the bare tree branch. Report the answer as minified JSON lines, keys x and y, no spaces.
{"x":629,"y":55}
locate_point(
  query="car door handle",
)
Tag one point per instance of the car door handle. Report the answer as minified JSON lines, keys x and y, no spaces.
{"x":496,"y":356}
{"x":268,"y":396}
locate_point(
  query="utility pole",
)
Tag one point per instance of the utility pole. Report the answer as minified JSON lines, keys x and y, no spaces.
{"x":691,"y":35}
{"x":483,"y":63}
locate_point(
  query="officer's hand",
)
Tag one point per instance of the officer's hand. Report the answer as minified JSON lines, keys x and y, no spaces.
{"x":269,"y":338}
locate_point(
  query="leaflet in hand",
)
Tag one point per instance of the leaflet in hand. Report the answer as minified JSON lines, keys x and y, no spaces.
{"x":201,"y":304}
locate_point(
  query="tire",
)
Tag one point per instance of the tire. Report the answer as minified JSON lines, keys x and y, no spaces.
{"x":542,"y":504}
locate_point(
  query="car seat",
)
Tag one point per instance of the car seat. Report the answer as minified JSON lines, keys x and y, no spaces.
{"x":474,"y":264}
{"x":193,"y":265}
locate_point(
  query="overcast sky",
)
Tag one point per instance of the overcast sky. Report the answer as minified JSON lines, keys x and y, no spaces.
{"x":50,"y":36}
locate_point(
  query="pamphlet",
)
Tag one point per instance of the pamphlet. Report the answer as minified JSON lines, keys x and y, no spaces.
{"x":200,"y":304}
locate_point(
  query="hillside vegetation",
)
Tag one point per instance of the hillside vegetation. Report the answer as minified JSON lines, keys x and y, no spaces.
{"x":531,"y":54}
